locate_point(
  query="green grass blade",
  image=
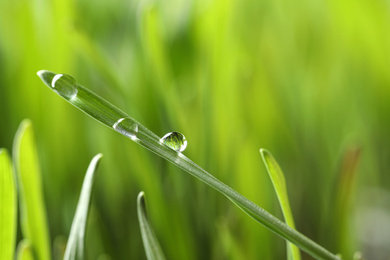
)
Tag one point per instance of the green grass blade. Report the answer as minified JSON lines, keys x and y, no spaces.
{"x":279,"y":183}
{"x":343,"y":196}
{"x":75,"y":245}
{"x":24,"y":251}
{"x":106,"y":113}
{"x":7,"y":207}
{"x":152,"y":247}
{"x":32,"y":209}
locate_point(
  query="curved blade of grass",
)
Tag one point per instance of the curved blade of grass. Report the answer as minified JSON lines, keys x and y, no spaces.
{"x":106,"y":113}
{"x":152,"y":247}
{"x":32,"y":208}
{"x":24,"y":251}
{"x":279,"y":183}
{"x":75,"y":245}
{"x":7,"y":207}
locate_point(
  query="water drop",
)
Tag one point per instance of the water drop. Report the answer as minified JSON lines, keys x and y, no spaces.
{"x":127,"y":127}
{"x":65,"y":85}
{"x":175,"y":140}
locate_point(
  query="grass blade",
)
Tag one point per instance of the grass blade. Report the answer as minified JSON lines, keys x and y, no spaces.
{"x":152,"y":247}
{"x":7,"y":207}
{"x":24,"y":251}
{"x":32,"y":209}
{"x":343,"y":196}
{"x":106,"y":113}
{"x":75,"y":245}
{"x":279,"y":183}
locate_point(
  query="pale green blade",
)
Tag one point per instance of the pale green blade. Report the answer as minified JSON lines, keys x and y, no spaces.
{"x":98,"y":108}
{"x":7,"y":207}
{"x":279,"y":183}
{"x":75,"y":245}
{"x":277,"y":178}
{"x":24,"y":251}
{"x":152,"y":247}
{"x":32,"y":208}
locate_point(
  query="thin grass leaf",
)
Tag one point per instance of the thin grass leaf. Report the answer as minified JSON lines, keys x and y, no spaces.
{"x":343,"y":195}
{"x":7,"y":207}
{"x":279,"y":183}
{"x":152,"y":247}
{"x":101,"y":110}
{"x":32,"y":208}
{"x":76,"y":241}
{"x":24,"y":251}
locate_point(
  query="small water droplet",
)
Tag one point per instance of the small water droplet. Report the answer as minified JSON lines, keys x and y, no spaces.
{"x":175,"y":140}
{"x":65,"y":85}
{"x":127,"y":127}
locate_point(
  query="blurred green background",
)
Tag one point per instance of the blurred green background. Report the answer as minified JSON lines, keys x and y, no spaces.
{"x":307,"y":80}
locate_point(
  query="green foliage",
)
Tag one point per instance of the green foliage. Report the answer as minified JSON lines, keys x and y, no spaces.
{"x":24,"y":251}
{"x":75,"y":246}
{"x":32,"y":208}
{"x":343,"y":195}
{"x":8,"y":207}
{"x":305,"y":79}
{"x":108,"y":114}
{"x":152,"y":247}
{"x":279,"y":183}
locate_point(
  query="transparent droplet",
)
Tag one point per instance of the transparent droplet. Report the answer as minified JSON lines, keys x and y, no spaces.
{"x":127,"y":127}
{"x":175,"y":140}
{"x":65,"y":85}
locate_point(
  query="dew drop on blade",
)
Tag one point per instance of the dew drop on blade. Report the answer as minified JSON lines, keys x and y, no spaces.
{"x":127,"y":127}
{"x":65,"y":85}
{"x":175,"y":140}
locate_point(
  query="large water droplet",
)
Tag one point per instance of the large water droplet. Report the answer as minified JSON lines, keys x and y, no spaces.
{"x":175,"y":140}
{"x":127,"y":127}
{"x":65,"y":85}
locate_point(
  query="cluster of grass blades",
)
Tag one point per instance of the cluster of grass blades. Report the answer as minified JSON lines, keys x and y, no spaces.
{"x":104,"y":112}
{"x":35,"y":244}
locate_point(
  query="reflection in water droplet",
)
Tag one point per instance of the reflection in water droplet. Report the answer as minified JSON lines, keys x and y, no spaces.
{"x":65,"y":85}
{"x":127,"y":127}
{"x":175,"y":140}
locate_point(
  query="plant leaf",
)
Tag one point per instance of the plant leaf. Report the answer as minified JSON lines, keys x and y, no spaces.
{"x":32,"y":208}
{"x":279,"y":183}
{"x":343,"y":195}
{"x":106,"y":113}
{"x":152,"y":247}
{"x":75,"y":245}
{"x":8,"y":209}
{"x":24,"y":251}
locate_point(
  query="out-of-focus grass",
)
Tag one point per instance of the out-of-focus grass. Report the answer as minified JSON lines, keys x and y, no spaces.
{"x":33,"y":218}
{"x":8,"y":209}
{"x":24,"y":250}
{"x":318,"y":69}
{"x":170,"y":147}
